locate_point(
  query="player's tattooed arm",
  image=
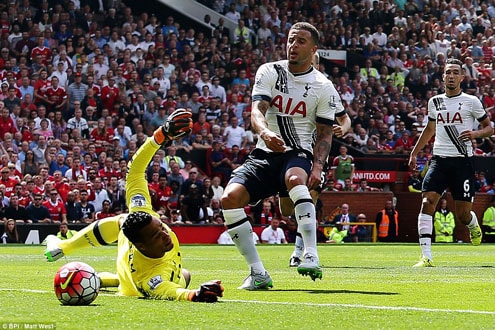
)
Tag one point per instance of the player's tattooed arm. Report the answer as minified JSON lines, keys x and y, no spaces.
{"x":260,"y":126}
{"x":321,"y":151}
{"x":258,"y":120}
{"x":323,"y":144}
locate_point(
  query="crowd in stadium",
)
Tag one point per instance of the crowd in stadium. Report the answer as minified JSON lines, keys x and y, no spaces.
{"x":83,"y":85}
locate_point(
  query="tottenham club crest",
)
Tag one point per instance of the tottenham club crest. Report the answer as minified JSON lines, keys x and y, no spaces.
{"x":307,"y":88}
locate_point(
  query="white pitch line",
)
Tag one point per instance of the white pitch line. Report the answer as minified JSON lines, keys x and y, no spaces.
{"x":49,"y":292}
{"x":393,"y":308}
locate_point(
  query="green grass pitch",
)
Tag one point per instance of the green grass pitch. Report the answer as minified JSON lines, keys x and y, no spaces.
{"x":363,"y":287}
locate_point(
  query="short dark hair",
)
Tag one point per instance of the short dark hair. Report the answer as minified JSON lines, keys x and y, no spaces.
{"x":134,"y":223}
{"x":315,"y":34}
{"x":453,"y":60}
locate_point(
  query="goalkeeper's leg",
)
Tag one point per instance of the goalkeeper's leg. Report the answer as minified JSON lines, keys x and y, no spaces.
{"x":108,"y":280}
{"x":101,"y":232}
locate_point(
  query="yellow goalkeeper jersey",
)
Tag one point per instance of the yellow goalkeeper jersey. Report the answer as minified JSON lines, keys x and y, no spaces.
{"x":159,"y":278}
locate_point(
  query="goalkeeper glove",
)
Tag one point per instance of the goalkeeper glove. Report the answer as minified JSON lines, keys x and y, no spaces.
{"x":178,"y":124}
{"x":207,"y":292}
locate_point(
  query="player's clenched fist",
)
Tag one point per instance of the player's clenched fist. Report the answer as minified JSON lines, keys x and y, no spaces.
{"x":208,"y":292}
{"x":178,"y":124}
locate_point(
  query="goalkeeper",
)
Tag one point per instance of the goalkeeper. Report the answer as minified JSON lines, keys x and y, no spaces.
{"x":149,"y":260}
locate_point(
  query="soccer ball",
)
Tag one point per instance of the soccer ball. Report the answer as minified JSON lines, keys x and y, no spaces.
{"x":76,"y":283}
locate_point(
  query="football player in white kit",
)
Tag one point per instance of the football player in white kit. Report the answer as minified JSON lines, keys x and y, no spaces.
{"x":291,"y":100}
{"x":451,"y":119}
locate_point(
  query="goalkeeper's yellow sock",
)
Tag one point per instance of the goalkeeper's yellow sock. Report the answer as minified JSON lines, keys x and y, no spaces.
{"x":101,"y":232}
{"x":108,"y":280}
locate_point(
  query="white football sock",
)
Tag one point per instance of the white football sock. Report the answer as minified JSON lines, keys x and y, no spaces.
{"x":241,"y":231}
{"x":304,"y":210}
{"x":474,"y":221}
{"x":298,"y":247}
{"x":425,"y":228}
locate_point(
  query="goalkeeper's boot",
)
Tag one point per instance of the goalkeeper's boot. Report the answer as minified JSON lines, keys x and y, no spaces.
{"x":310,"y":267}
{"x":476,"y":235}
{"x":257,"y":282}
{"x":294,"y":262}
{"x":53,"y":251}
{"x":424,"y":262}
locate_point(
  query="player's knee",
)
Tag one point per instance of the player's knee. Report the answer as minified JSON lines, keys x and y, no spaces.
{"x":464,"y":216}
{"x":231,"y":199}
{"x":294,"y":180}
{"x":226,"y":200}
{"x":428,"y":205}
{"x":235,"y":196}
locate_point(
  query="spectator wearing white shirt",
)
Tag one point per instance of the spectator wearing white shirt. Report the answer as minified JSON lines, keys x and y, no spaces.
{"x":147,"y":42}
{"x":204,"y":81}
{"x":164,"y":82}
{"x":61,"y":74}
{"x":273,"y":234}
{"x":380,"y":36}
{"x":115,"y":43}
{"x":368,"y":37}
{"x":264,"y":32}
{"x":218,"y":90}
{"x":134,"y":45}
{"x":232,"y":13}
{"x":234,"y":134}
{"x":100,"y":67}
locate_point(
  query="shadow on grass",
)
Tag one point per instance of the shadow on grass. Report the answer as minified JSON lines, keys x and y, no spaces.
{"x":351,"y":267}
{"x":376,"y":293}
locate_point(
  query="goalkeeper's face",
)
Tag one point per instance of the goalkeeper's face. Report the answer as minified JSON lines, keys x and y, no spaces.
{"x":156,"y":239}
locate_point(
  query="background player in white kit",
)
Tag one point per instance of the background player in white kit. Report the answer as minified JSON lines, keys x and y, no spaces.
{"x":291,"y":100}
{"x":451,"y":118}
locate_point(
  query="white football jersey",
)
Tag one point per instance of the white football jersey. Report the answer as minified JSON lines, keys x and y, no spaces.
{"x":453,"y":115}
{"x":297,"y":102}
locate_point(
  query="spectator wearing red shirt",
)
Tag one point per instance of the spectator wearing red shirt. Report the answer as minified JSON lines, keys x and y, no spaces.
{"x":60,"y":183}
{"x":489,"y":102}
{"x":105,"y":211}
{"x":101,"y":135}
{"x":110,"y":95}
{"x":162,"y":194}
{"x":404,"y":143}
{"x":56,"y":96}
{"x":7,"y":181}
{"x":44,"y":52}
{"x":201,"y":124}
{"x":107,"y":170}
{"x":7,"y":125}
{"x":91,"y":85}
{"x":40,"y":87}
{"x":27,"y":105}
{"x":56,"y":207}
